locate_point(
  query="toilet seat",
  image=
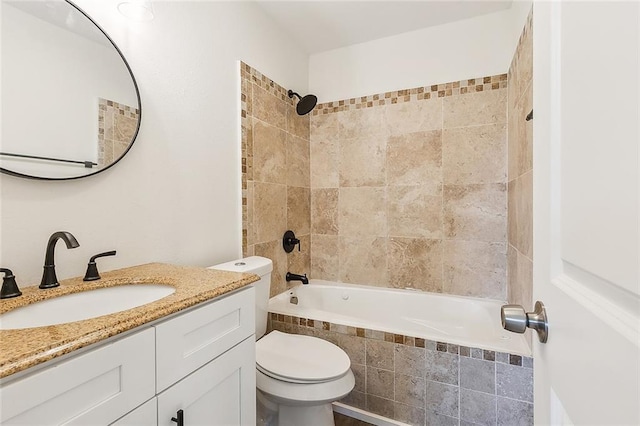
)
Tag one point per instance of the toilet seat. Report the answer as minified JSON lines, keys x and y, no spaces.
{"x":295,"y":358}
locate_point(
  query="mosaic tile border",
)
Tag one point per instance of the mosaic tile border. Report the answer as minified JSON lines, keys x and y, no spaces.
{"x":279,"y":321}
{"x":526,"y":32}
{"x":454,"y":88}
{"x":122,"y":109}
{"x":256,"y":77}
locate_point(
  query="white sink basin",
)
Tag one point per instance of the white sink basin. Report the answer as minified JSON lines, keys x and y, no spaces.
{"x":84,"y":305}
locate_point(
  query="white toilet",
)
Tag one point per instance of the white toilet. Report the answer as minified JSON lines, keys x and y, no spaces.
{"x":298,"y":377}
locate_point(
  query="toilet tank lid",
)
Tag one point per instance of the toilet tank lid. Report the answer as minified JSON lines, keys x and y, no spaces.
{"x":260,"y":266}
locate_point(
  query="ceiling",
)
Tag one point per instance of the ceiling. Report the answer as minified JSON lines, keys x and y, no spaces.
{"x":320,"y":25}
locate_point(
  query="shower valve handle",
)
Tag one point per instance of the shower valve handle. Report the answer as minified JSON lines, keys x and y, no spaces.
{"x":289,"y":241}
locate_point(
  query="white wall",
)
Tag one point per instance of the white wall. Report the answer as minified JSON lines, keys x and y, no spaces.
{"x":176,"y":196}
{"x":45,"y":66}
{"x":476,"y":47}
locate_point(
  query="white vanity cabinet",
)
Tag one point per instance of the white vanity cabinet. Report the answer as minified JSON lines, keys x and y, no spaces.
{"x":92,"y":388}
{"x":199,"y":374}
{"x":201,"y":361}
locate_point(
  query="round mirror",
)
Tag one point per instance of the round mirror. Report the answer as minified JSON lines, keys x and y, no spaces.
{"x":70,"y":103}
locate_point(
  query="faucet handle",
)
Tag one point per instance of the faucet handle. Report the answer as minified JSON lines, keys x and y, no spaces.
{"x":92,"y":269}
{"x":9,"y":285}
{"x":289,"y":241}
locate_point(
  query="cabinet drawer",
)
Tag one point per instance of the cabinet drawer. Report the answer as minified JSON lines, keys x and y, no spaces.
{"x":189,"y":341}
{"x":96,"y":387}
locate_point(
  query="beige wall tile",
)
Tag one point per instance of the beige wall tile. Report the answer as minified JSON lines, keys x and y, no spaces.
{"x":525,"y":278}
{"x":415,"y":159}
{"x":297,"y":161}
{"x":324,"y":163}
{"x":270,"y":211}
{"x":525,"y":61}
{"x":250,"y":223}
{"x":297,"y":125}
{"x":249,"y":147}
{"x":520,"y":278}
{"x":475,"y":212}
{"x":475,"y":154}
{"x":414,"y":212}
{"x":474,"y":109}
{"x":415,"y":263}
{"x":324,"y":260}
{"x":124,"y":129}
{"x":513,"y":144}
{"x":324,"y":211}
{"x":411,"y":117}
{"x":520,"y":208}
{"x":524,"y":214}
{"x":362,"y":211}
{"x":474,"y":268}
{"x":362,"y":123}
{"x":363,"y":260}
{"x":514,"y":290}
{"x":299,"y":210}
{"x":268,"y":108}
{"x":362,"y":161}
{"x":299,"y":262}
{"x":324,"y":127}
{"x":273,"y":250}
{"x":525,"y":132}
{"x":269,"y":153}
{"x":512,"y":222}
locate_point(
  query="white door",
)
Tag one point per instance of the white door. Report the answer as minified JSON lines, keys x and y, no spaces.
{"x":586,"y":215}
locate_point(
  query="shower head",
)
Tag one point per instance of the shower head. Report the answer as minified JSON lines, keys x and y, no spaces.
{"x":305,"y":104}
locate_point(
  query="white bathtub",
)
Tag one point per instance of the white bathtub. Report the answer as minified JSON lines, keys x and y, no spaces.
{"x":465,"y":321}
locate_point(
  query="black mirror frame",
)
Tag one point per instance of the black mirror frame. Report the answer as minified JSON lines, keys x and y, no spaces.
{"x":135,"y":134}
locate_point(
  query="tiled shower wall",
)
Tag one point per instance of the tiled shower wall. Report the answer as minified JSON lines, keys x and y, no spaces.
{"x":409,"y":189}
{"x":275,"y":176}
{"x":117,"y":123}
{"x":520,"y":173}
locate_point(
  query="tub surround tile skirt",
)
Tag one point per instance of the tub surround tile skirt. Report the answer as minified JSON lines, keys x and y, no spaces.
{"x":276,"y":193}
{"x":424,"y":382}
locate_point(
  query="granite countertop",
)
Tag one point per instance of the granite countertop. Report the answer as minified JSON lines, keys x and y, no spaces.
{"x":24,"y":348}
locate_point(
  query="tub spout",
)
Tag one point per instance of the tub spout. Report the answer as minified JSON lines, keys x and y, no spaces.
{"x":296,"y":277}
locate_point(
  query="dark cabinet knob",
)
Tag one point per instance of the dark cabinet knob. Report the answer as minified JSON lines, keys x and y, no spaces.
{"x":179,"y":419}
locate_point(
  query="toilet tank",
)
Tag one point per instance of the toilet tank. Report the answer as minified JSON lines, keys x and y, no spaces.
{"x":262,"y":267}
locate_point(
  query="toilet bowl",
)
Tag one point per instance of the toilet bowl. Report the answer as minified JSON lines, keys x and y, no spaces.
{"x":297,"y":377}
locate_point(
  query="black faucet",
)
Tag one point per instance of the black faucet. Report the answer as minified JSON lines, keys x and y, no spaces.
{"x":49,"y":279}
{"x":296,"y":277}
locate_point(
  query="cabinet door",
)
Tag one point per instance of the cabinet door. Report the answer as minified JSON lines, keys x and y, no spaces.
{"x":189,"y":341}
{"x":222,"y":393}
{"x":96,"y":387}
{"x":144,"y":415}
